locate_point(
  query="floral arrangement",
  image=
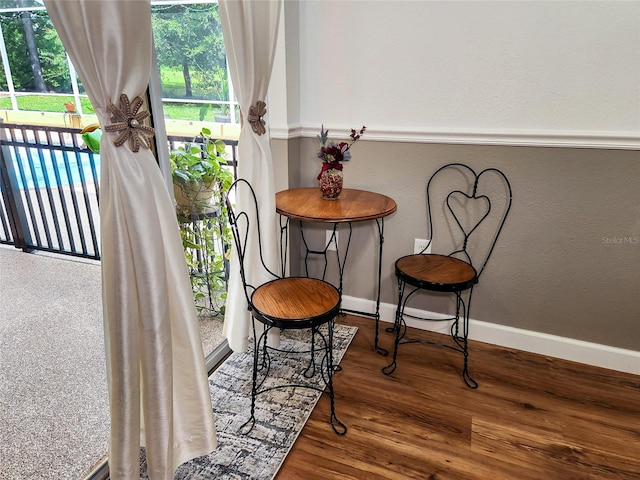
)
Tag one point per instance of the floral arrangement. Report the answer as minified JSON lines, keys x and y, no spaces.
{"x":331,"y":153}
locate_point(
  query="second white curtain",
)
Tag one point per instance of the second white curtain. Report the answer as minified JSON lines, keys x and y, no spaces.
{"x":250,"y":31}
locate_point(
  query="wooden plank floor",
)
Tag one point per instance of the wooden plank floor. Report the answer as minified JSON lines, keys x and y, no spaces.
{"x":533,"y":417}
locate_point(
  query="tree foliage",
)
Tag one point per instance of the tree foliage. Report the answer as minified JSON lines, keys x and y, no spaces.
{"x":189,"y":38}
{"x":51,"y":53}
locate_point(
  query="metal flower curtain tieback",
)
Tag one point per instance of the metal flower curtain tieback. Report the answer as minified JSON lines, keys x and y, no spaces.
{"x":256,"y":112}
{"x":128,"y":121}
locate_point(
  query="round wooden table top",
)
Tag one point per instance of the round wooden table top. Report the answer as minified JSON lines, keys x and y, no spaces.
{"x":308,"y":205}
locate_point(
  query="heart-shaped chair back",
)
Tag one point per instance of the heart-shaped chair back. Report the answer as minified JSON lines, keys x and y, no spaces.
{"x":474,"y":210}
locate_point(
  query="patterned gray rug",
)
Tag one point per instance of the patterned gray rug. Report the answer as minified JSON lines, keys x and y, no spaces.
{"x":280,"y":414}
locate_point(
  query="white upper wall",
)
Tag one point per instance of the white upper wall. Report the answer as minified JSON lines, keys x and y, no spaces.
{"x":463,"y":68}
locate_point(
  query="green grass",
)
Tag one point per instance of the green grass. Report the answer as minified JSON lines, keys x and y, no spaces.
{"x":186,"y":111}
{"x":45,"y":103}
{"x":172,"y":83}
{"x":37,"y":103}
{"x":172,"y":87}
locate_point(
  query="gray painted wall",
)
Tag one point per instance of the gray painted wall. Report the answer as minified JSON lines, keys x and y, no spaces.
{"x":558,"y":75}
{"x":562,"y":265}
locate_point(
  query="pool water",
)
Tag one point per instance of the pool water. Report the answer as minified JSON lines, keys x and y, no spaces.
{"x":39,"y":168}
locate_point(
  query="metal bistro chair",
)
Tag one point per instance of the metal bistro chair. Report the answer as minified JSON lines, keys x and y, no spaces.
{"x":474,"y":222}
{"x":283,"y":303}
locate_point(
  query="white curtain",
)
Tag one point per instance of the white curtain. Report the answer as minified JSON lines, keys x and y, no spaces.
{"x":159,"y":394}
{"x":250,"y":30}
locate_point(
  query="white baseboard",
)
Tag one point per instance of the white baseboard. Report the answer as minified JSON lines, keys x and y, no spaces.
{"x":541,"y":343}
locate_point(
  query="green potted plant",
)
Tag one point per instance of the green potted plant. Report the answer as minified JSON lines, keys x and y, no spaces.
{"x":200,"y":177}
{"x":199,"y":174}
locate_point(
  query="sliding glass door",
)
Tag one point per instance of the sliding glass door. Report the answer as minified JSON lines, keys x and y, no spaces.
{"x":192,"y":99}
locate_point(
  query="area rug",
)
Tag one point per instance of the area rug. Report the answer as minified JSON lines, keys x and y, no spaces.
{"x":280,"y":414}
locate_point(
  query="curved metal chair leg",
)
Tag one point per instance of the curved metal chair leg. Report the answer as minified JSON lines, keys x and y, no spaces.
{"x":462,"y":341}
{"x":466,"y":376}
{"x":336,"y":367}
{"x":247,"y":426}
{"x":338,"y":427}
{"x":399,"y":309}
{"x":377,"y":347}
{"x":389,"y":369}
{"x":398,"y":326}
{"x":310,"y":371}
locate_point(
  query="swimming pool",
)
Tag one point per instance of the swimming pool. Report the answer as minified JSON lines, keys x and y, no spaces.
{"x":40,"y":168}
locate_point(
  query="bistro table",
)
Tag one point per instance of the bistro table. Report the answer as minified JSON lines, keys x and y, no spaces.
{"x":307,"y":205}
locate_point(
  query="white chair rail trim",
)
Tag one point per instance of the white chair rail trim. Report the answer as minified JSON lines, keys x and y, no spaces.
{"x":532,"y":138}
{"x":595,"y":354}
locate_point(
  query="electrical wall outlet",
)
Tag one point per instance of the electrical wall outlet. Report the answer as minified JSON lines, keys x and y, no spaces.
{"x":330,"y":241}
{"x":420,"y":244}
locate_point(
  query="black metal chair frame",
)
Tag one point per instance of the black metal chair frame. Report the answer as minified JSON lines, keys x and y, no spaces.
{"x":461,"y":289}
{"x":241,"y":228}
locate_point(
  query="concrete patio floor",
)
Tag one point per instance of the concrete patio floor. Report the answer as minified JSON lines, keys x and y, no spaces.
{"x":54,"y":407}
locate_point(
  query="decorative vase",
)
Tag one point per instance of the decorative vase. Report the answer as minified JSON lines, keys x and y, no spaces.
{"x":331,"y":183}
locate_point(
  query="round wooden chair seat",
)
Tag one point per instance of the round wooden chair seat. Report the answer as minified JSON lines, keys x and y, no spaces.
{"x":436,"y":272}
{"x":296,"y":302}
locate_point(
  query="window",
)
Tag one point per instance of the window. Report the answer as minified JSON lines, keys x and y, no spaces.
{"x":42,"y":87}
{"x":191,"y":58}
